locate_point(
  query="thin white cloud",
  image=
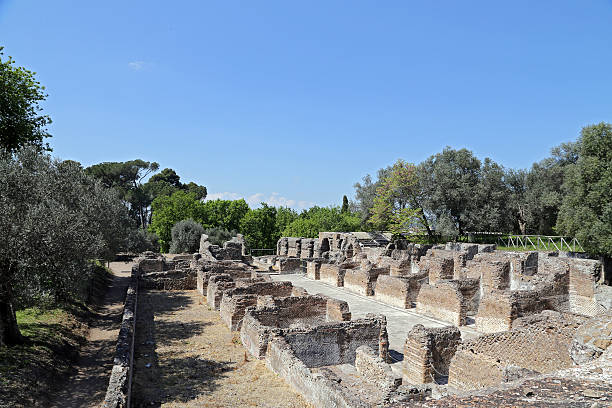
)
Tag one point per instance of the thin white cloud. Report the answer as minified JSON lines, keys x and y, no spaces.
{"x":136,"y":65}
{"x":254,"y":200}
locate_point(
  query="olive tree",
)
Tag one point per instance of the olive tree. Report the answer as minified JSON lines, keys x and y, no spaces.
{"x":55,"y":220}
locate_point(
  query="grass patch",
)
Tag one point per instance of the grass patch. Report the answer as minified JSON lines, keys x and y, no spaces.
{"x":30,"y":373}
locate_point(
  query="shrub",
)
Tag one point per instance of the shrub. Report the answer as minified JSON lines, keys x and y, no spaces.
{"x":139,"y":241}
{"x":218,"y":235}
{"x":186,"y":236}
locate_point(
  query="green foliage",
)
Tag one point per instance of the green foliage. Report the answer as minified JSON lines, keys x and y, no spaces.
{"x":55,"y":219}
{"x":181,"y":205}
{"x":21,"y":123}
{"x":260,"y":228}
{"x":345,"y":204}
{"x":586,"y":211}
{"x":319,"y":219}
{"x":168,"y":210}
{"x":139,"y":241}
{"x":127,"y":178}
{"x":186,"y":236}
{"x":218,"y":235}
{"x":394,"y":204}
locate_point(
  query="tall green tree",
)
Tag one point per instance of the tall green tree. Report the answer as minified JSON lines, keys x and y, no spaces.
{"x":450,"y":179}
{"x":168,"y":210}
{"x":396,"y":204}
{"x":259,"y":227}
{"x":55,"y":219}
{"x":586,"y":211}
{"x":345,"y":204}
{"x":127,"y":178}
{"x":21,"y":121}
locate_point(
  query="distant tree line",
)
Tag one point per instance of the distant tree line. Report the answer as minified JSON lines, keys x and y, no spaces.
{"x":453,"y":192}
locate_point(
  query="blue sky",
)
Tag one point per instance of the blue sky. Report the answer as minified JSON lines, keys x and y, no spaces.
{"x":293,"y":102}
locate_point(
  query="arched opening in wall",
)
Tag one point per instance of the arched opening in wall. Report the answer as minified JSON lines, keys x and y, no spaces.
{"x":349,"y":251}
{"x":340,"y":244}
{"x":325,"y":245}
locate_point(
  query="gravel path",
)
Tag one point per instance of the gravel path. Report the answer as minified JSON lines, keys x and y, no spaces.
{"x":87,"y":387}
{"x":186,"y":357}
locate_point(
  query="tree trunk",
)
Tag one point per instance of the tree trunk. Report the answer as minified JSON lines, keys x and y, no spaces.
{"x":9,"y":331}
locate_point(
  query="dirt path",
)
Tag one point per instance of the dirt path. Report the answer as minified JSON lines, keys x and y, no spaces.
{"x":87,"y":387}
{"x":185,"y":356}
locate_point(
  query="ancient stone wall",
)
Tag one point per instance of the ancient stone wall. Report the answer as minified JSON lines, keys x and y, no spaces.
{"x":583,"y":277}
{"x":401,"y":292}
{"x":235,"y":301}
{"x":537,"y":344}
{"x":428,"y":353}
{"x":216,"y":285}
{"x":372,"y":367}
{"x":332,"y":274}
{"x":439,"y":267}
{"x":288,"y":265}
{"x":337,"y":310}
{"x":499,"y":309}
{"x":313,"y":269}
{"x":363,"y":281}
{"x":119,"y":390}
{"x":334,"y":343}
{"x":443,"y":301}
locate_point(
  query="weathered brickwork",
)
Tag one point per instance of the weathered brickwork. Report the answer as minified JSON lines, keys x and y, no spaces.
{"x":583,"y":277}
{"x":399,"y":291}
{"x":363,"y":281}
{"x":332,"y":274}
{"x":428,"y":353}
{"x":443,"y":301}
{"x":313,"y":269}
{"x":537,"y":344}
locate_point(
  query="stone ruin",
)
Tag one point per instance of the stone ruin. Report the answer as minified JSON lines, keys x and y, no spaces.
{"x":534,"y":316}
{"x":530,"y":310}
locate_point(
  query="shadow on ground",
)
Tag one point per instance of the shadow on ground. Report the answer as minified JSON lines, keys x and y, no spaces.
{"x":174,"y":379}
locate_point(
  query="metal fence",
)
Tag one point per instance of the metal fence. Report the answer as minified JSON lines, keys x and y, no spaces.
{"x":541,"y":242}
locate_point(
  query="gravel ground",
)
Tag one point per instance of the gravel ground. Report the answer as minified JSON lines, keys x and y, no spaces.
{"x":186,"y":357}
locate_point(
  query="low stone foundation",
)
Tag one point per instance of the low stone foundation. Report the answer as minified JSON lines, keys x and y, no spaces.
{"x":363,"y":281}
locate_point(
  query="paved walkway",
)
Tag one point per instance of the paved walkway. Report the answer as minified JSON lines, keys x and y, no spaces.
{"x":399,"y":321}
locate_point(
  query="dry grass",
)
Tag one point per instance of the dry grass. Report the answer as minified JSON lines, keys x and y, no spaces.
{"x":187,"y":357}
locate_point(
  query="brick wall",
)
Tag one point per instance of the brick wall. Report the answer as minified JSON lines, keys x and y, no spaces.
{"x":332,"y":274}
{"x":428,"y":353}
{"x":400,"y":292}
{"x":583,"y":275}
{"x":443,"y":301}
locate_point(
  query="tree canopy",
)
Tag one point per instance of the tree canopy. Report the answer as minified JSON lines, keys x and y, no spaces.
{"x":586,"y":209}
{"x":21,"y":121}
{"x":55,"y":220}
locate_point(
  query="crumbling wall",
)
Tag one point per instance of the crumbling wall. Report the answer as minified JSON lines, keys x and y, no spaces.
{"x":276,"y":316}
{"x":584,"y":275}
{"x":399,"y":291}
{"x":499,"y":309}
{"x":288,"y":265}
{"x":337,"y":310}
{"x":317,"y":389}
{"x":537,"y":344}
{"x":363,"y":281}
{"x":216,"y":285}
{"x":332,"y":274}
{"x":335,"y":343}
{"x":313,"y":269}
{"x":494,"y":272}
{"x":372,"y":367}
{"x":235,"y":301}
{"x":439,"y":265}
{"x":428,"y":353}
{"x":443,"y":301}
